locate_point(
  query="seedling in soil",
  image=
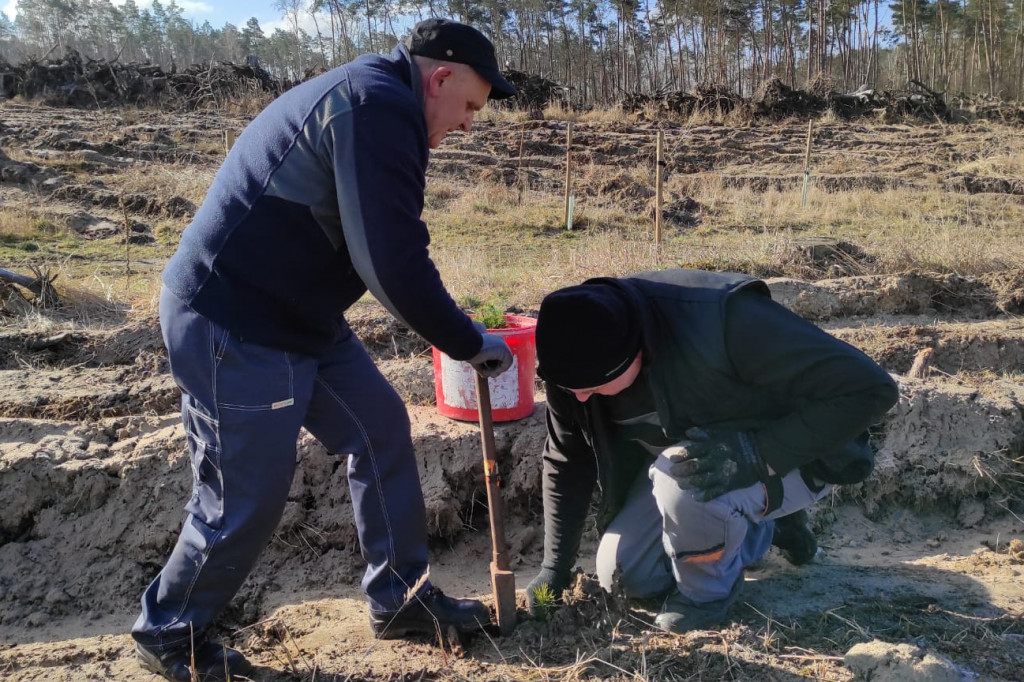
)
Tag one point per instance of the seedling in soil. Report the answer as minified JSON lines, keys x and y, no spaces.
{"x":544,"y":601}
{"x":491,"y":315}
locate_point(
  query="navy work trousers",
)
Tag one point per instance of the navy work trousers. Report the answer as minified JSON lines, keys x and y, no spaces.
{"x":242,"y":407}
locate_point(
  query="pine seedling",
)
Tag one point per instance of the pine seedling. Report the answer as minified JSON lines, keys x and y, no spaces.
{"x":491,"y":315}
{"x":544,"y":599}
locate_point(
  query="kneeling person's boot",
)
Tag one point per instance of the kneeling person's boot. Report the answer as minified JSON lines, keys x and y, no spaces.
{"x":209,"y":661}
{"x":794,"y":538}
{"x":429,"y":612}
{"x":680,"y":614}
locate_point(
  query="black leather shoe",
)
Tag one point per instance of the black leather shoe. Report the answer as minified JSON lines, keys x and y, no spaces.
{"x":213,"y":662}
{"x":429,"y":612}
{"x":794,"y":538}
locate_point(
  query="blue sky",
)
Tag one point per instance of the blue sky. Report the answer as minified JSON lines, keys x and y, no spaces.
{"x":217,"y":12}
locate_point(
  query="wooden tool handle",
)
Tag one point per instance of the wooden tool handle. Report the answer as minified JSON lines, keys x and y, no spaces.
{"x":492,"y":475}
{"x":503,"y":580}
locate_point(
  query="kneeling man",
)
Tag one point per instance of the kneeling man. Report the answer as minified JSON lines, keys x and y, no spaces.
{"x":709,"y":416}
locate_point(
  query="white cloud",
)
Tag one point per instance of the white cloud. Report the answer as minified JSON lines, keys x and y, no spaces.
{"x":269,"y":27}
{"x":305,"y":23}
{"x":195,"y":7}
{"x":189,"y":6}
{"x":11,"y":9}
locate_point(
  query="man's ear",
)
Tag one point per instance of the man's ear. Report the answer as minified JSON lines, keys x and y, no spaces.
{"x":438,"y":76}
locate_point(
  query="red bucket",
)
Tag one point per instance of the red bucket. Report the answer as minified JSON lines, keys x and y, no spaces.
{"x":511,"y":392}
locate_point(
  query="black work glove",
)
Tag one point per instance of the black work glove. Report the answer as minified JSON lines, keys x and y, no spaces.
{"x":556,"y":582}
{"x":712,"y":462}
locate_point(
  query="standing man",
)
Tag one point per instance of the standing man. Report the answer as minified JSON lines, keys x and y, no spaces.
{"x":318,"y":202}
{"x":705,"y":412}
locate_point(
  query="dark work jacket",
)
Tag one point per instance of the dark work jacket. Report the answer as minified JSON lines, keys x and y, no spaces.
{"x":717,"y":351}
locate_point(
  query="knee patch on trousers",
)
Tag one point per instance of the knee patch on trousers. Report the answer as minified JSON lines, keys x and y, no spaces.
{"x":702,"y":556}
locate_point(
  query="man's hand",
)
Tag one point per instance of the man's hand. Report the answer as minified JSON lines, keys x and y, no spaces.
{"x":713,"y":462}
{"x":550,"y":583}
{"x":494,"y":357}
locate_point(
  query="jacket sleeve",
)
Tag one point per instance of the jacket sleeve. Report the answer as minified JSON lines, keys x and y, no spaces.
{"x":838,"y":390}
{"x":570,"y":471}
{"x":379,"y":154}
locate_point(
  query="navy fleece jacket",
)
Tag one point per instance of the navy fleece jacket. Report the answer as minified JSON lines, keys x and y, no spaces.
{"x":319,"y":200}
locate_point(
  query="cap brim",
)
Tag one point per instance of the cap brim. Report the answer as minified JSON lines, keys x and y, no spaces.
{"x":500,"y":88}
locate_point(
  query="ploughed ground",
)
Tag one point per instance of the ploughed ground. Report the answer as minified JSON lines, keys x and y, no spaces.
{"x":919,"y":575}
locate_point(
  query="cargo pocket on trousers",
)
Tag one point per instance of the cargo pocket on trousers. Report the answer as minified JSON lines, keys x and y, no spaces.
{"x":252,"y":377}
{"x":207,"y":502}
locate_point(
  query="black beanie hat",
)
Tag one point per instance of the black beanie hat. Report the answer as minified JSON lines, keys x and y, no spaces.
{"x":587,"y":335}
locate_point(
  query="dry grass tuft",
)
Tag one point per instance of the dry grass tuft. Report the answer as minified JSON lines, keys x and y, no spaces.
{"x":613,"y":114}
{"x":101,"y":299}
{"x":557,"y":111}
{"x":1008,"y":165}
{"x":188,"y":181}
{"x":500,"y":115}
{"x":21,"y":224}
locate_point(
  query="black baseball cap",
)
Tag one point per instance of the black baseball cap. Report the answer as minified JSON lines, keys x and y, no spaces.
{"x":451,"y":41}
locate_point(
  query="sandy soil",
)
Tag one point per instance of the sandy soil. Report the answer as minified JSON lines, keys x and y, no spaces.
{"x":919,"y":575}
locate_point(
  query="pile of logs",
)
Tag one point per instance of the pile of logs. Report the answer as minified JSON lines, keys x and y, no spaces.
{"x":922,"y":103}
{"x":989,"y":108}
{"x":775,"y":100}
{"x":709,"y":98}
{"x":713,"y":98}
{"x":638,"y":101}
{"x":74,"y":81}
{"x":534,"y":92}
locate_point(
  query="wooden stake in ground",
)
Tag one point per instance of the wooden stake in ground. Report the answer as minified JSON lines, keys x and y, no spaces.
{"x":922,"y":366}
{"x":503,"y":580}
{"x":520,"y":182}
{"x":807,"y":163}
{"x":568,"y":172}
{"x":127,"y":238}
{"x":229,"y":139}
{"x":659,"y":162}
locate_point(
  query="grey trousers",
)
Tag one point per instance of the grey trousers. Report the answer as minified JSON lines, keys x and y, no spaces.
{"x":663,"y":537}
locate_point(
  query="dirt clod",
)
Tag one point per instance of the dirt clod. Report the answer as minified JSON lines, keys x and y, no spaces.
{"x":883,"y":662}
